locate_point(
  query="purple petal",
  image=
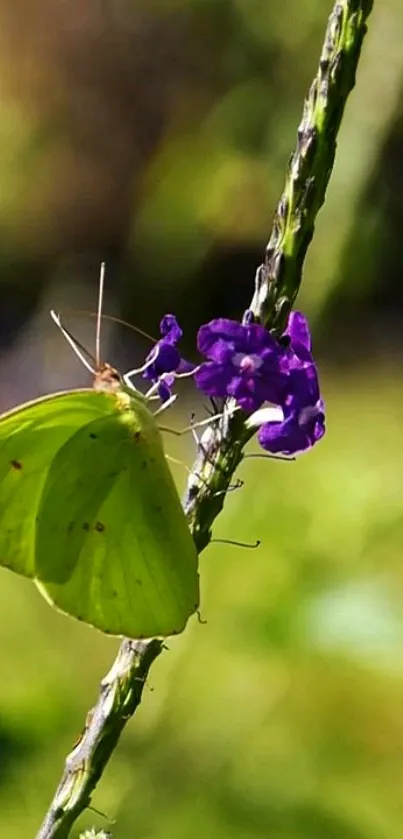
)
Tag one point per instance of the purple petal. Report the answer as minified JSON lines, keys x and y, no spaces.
{"x":222,"y":330}
{"x":247,"y":392}
{"x":164,"y":390}
{"x":251,"y":393}
{"x":304,"y":416}
{"x":290,"y":437}
{"x":167,"y":360}
{"x":170,"y":329}
{"x":185,"y":366}
{"x":221,"y":351}
{"x":302,"y":387}
{"x":313,"y":423}
{"x":298,"y":330}
{"x":299,"y":336}
{"x":281,"y":437}
{"x":212,"y":379}
{"x":220,"y":338}
{"x":257,"y":339}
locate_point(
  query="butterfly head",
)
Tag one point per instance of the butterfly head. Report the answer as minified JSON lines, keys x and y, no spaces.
{"x":107,"y":379}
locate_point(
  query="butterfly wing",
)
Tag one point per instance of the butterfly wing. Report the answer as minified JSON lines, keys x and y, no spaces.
{"x":30,"y":436}
{"x":108,"y":540}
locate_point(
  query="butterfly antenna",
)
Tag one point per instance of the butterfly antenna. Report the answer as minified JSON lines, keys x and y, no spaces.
{"x":79,"y":350}
{"x":112,"y":319}
{"x":99,"y":317}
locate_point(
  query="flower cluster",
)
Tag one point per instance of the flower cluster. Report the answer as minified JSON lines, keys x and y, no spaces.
{"x":274,"y":381}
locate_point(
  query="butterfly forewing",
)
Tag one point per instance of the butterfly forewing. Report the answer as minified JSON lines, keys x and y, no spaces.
{"x":93,"y":514}
{"x":29,"y":439}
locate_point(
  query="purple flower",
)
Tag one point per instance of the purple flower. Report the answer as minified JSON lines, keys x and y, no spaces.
{"x":164,"y":360}
{"x":244,"y":361}
{"x":164,"y":357}
{"x":299,"y":423}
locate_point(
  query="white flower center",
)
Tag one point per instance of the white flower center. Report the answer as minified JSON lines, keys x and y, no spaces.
{"x":246,"y":363}
{"x":272,"y":413}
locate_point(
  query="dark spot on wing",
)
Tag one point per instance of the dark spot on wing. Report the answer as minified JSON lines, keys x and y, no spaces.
{"x":70,"y":526}
{"x":99,"y":527}
{"x":93,"y":436}
{"x":16,"y":464}
{"x":143,"y":464}
{"x":139,"y":583}
{"x":86,"y":526}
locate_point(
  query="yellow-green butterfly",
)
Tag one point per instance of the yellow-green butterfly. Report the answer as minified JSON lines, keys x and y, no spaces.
{"x":89,"y":510}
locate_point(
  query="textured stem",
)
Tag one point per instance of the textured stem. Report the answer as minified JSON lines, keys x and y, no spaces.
{"x":276,"y":286}
{"x":119,"y":697}
{"x":311,"y":164}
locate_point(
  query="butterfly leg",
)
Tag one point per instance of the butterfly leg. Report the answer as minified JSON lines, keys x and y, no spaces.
{"x":166,"y":404}
{"x":137,"y":370}
{"x":200,"y":424}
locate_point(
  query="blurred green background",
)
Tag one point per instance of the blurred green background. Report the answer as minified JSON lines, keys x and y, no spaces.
{"x":155,"y":135}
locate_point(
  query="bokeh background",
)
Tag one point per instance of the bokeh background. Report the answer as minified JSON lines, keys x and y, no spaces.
{"x":154,"y":134}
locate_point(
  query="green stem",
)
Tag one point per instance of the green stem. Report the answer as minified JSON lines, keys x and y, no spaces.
{"x":311,"y":164}
{"x":119,"y":697}
{"x":221,"y":450}
{"x":279,"y":277}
